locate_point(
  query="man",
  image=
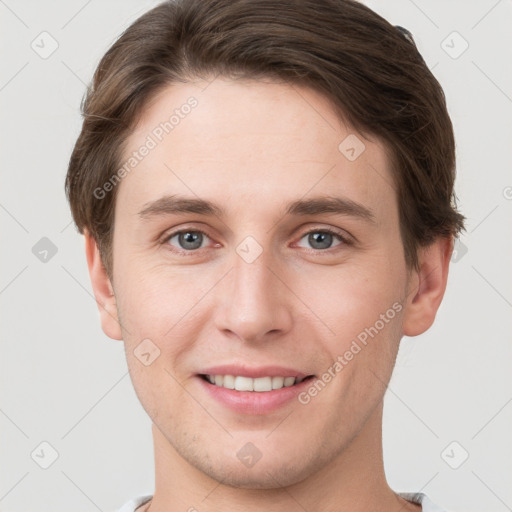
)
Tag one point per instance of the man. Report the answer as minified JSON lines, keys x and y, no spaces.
{"x":266,"y":194}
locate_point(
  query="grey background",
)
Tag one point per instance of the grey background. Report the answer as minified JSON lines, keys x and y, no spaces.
{"x":63,"y":382}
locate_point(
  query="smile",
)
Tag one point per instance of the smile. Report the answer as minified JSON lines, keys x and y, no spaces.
{"x":260,"y":384}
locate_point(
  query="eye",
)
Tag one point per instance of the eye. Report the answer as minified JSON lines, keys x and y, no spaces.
{"x":322,"y":239}
{"x":187,"y":239}
{"x":191,"y":240}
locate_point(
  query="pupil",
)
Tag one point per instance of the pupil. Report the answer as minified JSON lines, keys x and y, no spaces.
{"x":323,"y":239}
{"x":189,"y":240}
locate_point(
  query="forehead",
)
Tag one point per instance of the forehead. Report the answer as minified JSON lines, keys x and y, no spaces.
{"x":258,"y":142}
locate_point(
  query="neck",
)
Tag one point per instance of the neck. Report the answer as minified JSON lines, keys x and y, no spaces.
{"x":354,"y":480}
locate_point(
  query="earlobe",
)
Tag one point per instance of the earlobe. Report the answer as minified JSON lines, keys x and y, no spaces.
{"x":427,"y":287}
{"x":103,"y":290}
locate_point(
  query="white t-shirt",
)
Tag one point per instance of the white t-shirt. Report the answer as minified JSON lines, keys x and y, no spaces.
{"x":418,"y":497}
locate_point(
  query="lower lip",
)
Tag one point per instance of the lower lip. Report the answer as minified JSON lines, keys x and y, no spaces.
{"x":254,"y":402}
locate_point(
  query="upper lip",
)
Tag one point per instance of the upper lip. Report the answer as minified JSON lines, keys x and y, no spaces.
{"x":253,"y":372}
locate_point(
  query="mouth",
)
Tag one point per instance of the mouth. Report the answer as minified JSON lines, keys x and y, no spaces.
{"x":253,"y":390}
{"x":257,"y":385}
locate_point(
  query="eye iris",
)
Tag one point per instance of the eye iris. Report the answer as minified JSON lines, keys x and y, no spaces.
{"x":324,"y":239}
{"x":189,"y":239}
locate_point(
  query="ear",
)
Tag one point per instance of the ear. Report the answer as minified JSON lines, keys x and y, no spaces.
{"x":103,"y":290}
{"x":427,"y":286}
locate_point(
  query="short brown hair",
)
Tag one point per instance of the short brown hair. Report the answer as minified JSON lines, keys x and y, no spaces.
{"x":370,"y":70}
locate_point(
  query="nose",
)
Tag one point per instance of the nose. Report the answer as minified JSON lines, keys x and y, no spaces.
{"x":255,"y":302}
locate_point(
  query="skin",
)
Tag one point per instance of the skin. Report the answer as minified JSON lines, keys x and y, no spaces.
{"x":251,"y":147}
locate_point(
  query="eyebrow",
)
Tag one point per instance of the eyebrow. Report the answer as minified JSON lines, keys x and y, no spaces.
{"x":176,"y":204}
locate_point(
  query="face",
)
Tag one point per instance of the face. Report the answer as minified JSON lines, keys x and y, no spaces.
{"x":248,"y":243}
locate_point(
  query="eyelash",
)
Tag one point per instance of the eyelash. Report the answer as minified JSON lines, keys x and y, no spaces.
{"x":345,"y":240}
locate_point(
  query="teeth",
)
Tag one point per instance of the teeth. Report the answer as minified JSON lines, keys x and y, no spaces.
{"x":242,"y":383}
{"x":277,"y":382}
{"x":260,"y":384}
{"x":289,"y":381}
{"x":229,"y":382}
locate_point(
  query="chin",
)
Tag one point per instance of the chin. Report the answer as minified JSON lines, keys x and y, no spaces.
{"x":267,"y":476}
{"x":273,"y":470}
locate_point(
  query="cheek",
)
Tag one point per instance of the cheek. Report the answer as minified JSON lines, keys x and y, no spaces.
{"x":153,"y":301}
{"x":160,"y":316}
{"x":348,"y":300}
{"x":363,"y":311}
{"x":154,"y":386}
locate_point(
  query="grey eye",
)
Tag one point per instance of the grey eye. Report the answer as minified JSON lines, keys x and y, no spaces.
{"x":189,"y":240}
{"x":321,"y":240}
